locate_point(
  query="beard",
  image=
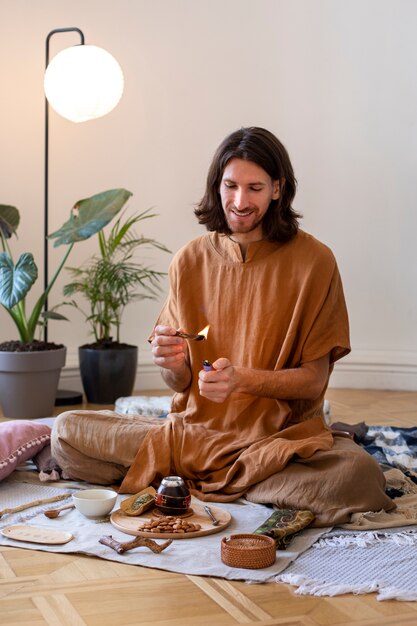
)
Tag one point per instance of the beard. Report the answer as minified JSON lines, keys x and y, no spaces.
{"x":243,"y":228}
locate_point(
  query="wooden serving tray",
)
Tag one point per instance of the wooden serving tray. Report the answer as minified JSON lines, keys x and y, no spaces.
{"x":33,"y":534}
{"x":130,"y":525}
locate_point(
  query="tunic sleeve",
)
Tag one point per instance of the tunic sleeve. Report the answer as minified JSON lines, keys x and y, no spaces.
{"x":329,"y":331}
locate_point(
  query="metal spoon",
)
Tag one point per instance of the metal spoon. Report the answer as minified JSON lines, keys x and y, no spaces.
{"x":210,"y":514}
{"x":55,"y":512}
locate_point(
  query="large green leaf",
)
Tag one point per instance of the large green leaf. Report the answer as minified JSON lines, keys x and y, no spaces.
{"x":9,"y":220}
{"x":15,"y":281}
{"x":90,"y":215}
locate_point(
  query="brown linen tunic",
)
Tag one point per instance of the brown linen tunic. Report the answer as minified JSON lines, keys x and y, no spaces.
{"x":280,"y":307}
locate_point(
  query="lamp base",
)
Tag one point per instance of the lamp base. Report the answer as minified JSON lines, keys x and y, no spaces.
{"x":64,"y":397}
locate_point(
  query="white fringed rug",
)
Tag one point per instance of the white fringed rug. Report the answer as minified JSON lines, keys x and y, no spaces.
{"x":383,"y":561}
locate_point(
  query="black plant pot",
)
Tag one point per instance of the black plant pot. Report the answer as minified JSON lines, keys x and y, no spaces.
{"x":108,"y":373}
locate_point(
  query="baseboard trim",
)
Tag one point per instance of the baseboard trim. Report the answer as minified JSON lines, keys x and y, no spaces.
{"x":365,"y":373}
{"x":148,"y":378}
{"x":395,"y":371}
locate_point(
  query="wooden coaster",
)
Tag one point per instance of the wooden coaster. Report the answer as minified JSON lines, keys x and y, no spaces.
{"x":158,"y":513}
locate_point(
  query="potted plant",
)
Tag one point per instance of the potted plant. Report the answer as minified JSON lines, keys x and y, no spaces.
{"x":30,"y":368}
{"x":109,"y":281}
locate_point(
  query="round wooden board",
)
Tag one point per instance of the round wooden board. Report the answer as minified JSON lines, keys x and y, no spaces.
{"x":33,"y":534}
{"x":130,"y":525}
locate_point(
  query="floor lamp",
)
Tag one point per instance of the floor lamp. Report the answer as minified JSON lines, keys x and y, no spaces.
{"x":81,"y":83}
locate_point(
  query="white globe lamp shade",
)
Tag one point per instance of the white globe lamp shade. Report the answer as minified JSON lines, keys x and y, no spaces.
{"x":83,"y":82}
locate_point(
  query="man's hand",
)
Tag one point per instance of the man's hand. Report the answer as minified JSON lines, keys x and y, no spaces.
{"x":305,"y":382}
{"x":218,"y":384}
{"x":170,"y":353}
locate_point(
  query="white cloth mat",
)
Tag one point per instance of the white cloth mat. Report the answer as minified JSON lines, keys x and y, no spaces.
{"x":197,"y":555}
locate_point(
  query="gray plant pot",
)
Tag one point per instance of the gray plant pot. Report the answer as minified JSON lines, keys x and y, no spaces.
{"x":107,"y":374}
{"x":29,"y":382}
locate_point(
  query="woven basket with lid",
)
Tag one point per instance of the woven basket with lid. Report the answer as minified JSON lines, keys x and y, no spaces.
{"x":248,"y":551}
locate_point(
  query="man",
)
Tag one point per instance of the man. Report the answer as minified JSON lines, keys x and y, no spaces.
{"x":273,"y":300}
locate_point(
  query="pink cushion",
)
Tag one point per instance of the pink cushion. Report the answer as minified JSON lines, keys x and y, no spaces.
{"x":19,"y":441}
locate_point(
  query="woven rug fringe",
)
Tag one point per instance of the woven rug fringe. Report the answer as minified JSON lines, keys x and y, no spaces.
{"x":366,"y":539}
{"x":309,"y":587}
{"x":394,"y":594}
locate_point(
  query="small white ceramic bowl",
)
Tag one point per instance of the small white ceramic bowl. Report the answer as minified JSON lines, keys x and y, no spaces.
{"x":94,"y":502}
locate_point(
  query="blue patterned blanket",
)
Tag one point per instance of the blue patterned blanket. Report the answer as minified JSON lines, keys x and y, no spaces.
{"x":393,"y":446}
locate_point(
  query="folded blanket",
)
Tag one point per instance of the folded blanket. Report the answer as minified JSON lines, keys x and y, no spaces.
{"x":356,"y":431}
{"x":405,"y":513}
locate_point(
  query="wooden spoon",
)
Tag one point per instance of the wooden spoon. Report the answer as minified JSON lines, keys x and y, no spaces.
{"x":55,"y":512}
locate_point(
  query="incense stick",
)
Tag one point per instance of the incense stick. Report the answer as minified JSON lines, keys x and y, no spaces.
{"x":189,"y":336}
{"x":28,"y":505}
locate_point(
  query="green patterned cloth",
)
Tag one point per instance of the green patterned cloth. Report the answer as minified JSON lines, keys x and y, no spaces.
{"x":283,"y":524}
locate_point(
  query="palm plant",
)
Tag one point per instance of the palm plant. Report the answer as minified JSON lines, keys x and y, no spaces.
{"x":113,"y":278}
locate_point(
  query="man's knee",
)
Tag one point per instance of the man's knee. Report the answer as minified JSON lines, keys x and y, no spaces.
{"x":61,"y":421}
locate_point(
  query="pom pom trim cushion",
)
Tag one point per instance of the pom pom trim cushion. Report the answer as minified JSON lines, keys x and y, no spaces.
{"x":19,"y":441}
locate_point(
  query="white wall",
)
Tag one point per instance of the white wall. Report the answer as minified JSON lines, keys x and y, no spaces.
{"x":335,"y":80}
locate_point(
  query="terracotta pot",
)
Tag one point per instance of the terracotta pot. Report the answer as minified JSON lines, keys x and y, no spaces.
{"x":29,"y":382}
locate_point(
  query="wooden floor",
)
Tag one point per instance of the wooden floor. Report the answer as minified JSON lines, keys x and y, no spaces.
{"x":38,"y":588}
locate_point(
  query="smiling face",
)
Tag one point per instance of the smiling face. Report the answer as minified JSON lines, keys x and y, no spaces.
{"x":246,"y":192}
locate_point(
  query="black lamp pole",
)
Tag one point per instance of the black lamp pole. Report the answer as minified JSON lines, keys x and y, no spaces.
{"x":46,"y":179}
{"x":64,"y":397}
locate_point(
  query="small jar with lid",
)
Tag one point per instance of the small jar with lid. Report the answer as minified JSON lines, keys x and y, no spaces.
{"x":173,"y":496}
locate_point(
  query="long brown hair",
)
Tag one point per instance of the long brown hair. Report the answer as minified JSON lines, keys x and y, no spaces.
{"x":261,"y":147}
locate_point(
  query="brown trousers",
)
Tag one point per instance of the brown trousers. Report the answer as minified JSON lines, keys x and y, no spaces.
{"x":100,"y":446}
